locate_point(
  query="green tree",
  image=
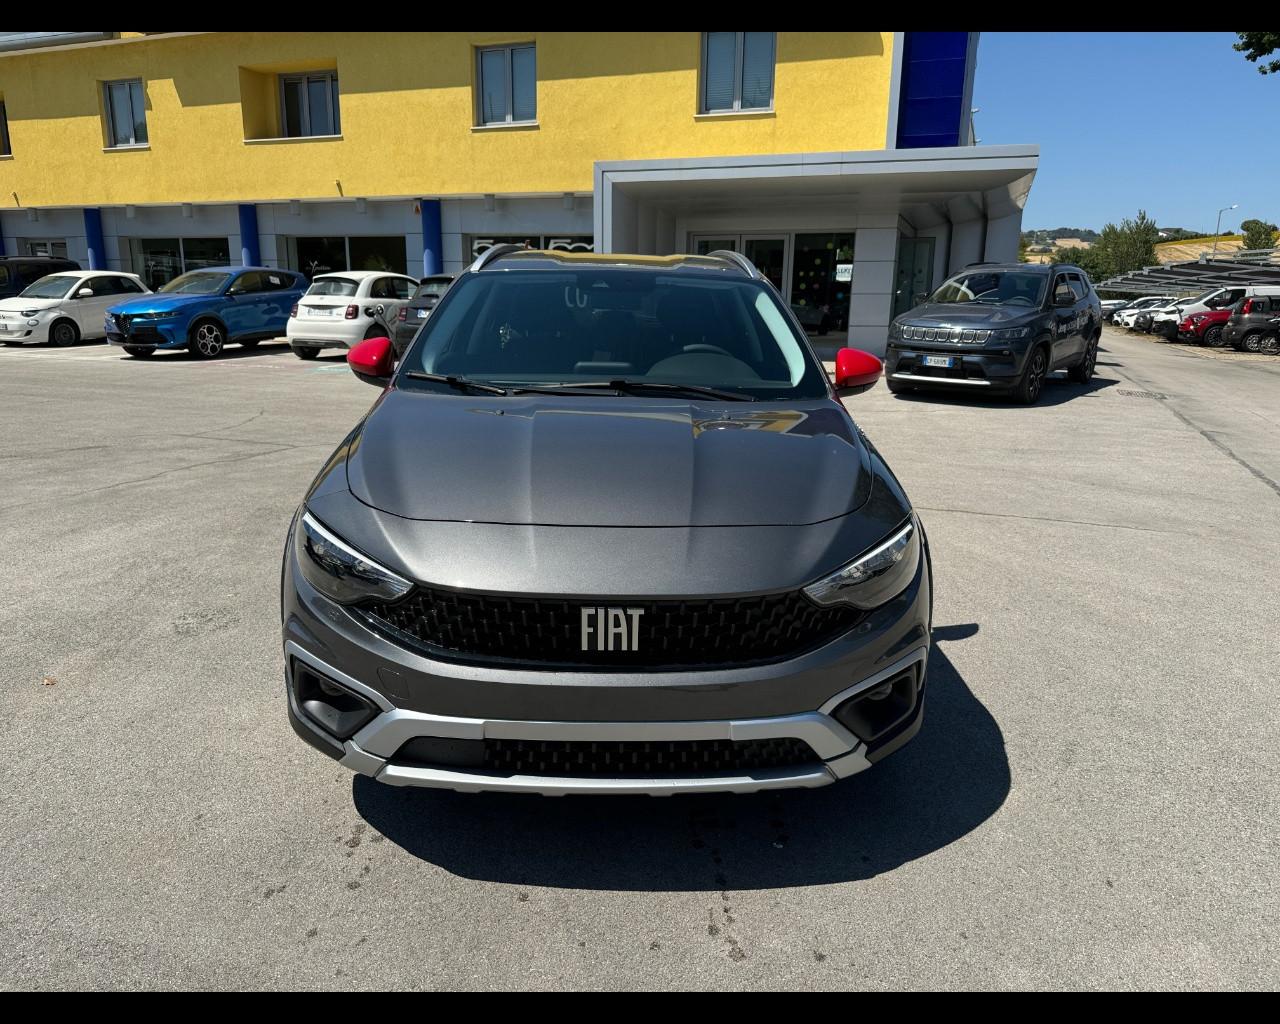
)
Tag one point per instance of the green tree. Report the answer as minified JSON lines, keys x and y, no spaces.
{"x":1092,"y":261}
{"x":1022,"y":249}
{"x":1256,"y":45}
{"x":1258,"y":234}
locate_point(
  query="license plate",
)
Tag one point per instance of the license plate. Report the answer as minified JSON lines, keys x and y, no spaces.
{"x":321,"y":311}
{"x":421,"y":314}
{"x":946,"y":362}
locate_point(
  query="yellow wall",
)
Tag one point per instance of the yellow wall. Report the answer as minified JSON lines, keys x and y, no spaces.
{"x":407,"y":114}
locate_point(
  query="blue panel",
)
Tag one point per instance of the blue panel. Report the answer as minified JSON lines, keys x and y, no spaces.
{"x":931,"y":95}
{"x":432,"y":243}
{"x":250,"y":253}
{"x":93,"y":237}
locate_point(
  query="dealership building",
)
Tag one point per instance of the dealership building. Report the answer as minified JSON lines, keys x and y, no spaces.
{"x":843,"y":164}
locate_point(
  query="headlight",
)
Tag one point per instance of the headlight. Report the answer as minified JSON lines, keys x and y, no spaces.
{"x":1011,"y":333}
{"x":167,"y":314}
{"x":31,"y":312}
{"x":338,"y":570}
{"x":876,"y":577}
{"x":894,"y":331}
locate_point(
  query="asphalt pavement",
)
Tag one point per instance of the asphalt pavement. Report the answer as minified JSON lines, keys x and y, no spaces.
{"x":1092,"y":802}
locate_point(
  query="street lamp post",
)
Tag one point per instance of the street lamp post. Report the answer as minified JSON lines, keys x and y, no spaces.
{"x":1218,"y":227}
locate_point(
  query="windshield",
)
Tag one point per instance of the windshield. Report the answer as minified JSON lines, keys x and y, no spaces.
{"x":1204,"y":296}
{"x":994,"y":287}
{"x":197,"y":282}
{"x":520,"y":328}
{"x":333,"y":286}
{"x":53,"y":287}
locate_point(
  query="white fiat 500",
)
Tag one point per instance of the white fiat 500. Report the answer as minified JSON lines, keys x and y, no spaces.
{"x":62,"y":308}
{"x":341,"y":309}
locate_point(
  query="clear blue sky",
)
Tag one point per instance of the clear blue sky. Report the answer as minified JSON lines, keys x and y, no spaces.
{"x":1176,"y":123}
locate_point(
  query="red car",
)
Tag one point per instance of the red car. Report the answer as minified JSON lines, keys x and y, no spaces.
{"x":1204,"y":328}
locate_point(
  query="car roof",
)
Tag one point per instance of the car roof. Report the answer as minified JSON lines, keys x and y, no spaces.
{"x":36,"y":259}
{"x":1035,"y":268}
{"x":559,"y":259}
{"x":359,"y":275}
{"x":239,"y":270}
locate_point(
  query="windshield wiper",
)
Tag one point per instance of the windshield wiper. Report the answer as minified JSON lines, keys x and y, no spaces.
{"x":461,"y":383}
{"x":627,"y":385}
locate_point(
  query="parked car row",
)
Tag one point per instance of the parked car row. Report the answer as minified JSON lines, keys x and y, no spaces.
{"x":1243,"y":316}
{"x":53,"y":301}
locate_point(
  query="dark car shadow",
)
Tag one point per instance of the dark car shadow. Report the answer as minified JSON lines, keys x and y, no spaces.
{"x":232,"y":351}
{"x":1057,"y":390}
{"x":941,"y":786}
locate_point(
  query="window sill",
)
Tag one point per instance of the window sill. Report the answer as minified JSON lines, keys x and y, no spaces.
{"x":294,"y":138}
{"x":6,"y":156}
{"x":505,"y":126}
{"x":125,"y":149}
{"x":720,"y":115}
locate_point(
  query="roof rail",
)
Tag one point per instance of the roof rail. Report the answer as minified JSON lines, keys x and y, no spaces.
{"x":749,"y":268}
{"x":494,"y":251}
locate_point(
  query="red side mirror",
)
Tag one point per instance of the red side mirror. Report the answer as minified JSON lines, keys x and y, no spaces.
{"x":373,"y":360}
{"x":856,"y":371}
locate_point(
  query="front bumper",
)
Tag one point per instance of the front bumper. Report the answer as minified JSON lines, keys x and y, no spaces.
{"x":159,"y":334}
{"x":973,"y":367}
{"x":412,"y":696}
{"x":19,"y":332}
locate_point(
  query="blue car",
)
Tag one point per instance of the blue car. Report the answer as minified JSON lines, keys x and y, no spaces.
{"x":205,"y":310}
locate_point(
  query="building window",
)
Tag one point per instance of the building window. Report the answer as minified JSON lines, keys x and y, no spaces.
{"x":56,"y":247}
{"x":309,"y":105}
{"x":4,"y":132}
{"x":321,"y":255}
{"x":479,"y":244}
{"x":737,"y":71}
{"x":126,"y":113}
{"x":159,"y":260}
{"x":507,"y":85}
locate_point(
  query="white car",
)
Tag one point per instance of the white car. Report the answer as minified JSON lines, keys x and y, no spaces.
{"x":62,"y":308}
{"x":1126,"y":317}
{"x":339,"y":309}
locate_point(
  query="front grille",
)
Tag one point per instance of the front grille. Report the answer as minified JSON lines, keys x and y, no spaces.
{"x":608,"y":758}
{"x":671,"y":635}
{"x":950,"y":335}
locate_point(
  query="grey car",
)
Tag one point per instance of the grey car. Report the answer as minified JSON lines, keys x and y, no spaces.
{"x":607,"y":529}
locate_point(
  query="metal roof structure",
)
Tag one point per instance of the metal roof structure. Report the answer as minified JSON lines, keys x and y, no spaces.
{"x":1256,"y":266}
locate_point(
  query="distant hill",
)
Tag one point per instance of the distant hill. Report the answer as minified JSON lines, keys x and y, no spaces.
{"x":1044,"y":236}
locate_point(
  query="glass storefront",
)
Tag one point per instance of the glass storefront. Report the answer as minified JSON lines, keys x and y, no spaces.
{"x":159,"y":260}
{"x":813,"y":271}
{"x":821,"y":274}
{"x":477,"y":244}
{"x":323,"y":254}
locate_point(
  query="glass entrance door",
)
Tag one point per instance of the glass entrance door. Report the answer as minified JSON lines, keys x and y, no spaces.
{"x":768,"y":253}
{"x":914,"y":279}
{"x":710,"y":243}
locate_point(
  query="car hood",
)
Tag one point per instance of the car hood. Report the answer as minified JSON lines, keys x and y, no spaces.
{"x":157,"y":303}
{"x":17,"y":304}
{"x":607,"y":461}
{"x":967,"y":314}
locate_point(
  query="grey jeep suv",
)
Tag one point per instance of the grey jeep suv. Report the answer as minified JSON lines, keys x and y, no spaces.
{"x":998,"y":327}
{"x":607,"y":529}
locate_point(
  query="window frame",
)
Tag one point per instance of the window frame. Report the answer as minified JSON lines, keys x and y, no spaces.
{"x":109,"y":112}
{"x":508,"y":49}
{"x":739,"y":54}
{"x":6,"y":144}
{"x":331,"y":100}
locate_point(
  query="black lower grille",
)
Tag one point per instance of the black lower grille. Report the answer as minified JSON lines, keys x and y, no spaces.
{"x":664,"y":635}
{"x":608,"y":758}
